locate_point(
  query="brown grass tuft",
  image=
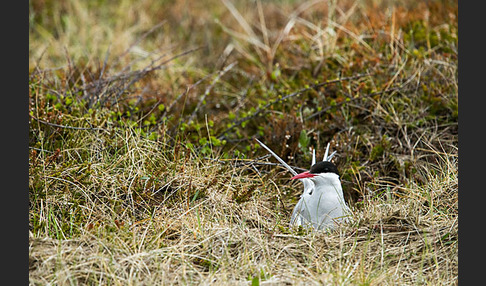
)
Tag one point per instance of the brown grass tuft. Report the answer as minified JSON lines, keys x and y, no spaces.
{"x":142,"y":166}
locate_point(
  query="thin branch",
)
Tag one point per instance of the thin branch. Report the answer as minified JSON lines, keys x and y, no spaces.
{"x":350,"y":100}
{"x":208,"y":90}
{"x":142,"y":37}
{"x":277,"y":157}
{"x":66,"y":126}
{"x":152,"y":67}
{"x":41,"y":150}
{"x":260,"y":109}
{"x":246,"y":163}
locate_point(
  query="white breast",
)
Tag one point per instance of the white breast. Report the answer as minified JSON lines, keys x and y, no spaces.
{"x":322,"y":204}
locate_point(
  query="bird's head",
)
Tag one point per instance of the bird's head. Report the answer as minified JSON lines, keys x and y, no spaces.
{"x":318,"y":169}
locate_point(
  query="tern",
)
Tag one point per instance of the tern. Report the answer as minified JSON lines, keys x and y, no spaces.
{"x":322,"y":204}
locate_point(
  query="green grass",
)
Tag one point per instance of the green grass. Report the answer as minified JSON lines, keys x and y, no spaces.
{"x":142,"y":163}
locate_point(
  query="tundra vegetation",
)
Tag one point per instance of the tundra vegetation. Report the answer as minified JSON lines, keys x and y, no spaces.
{"x":143,"y":168}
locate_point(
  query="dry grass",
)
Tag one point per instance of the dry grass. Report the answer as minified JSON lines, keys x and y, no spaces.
{"x":161,"y":231}
{"x":142,"y":170}
{"x":136,"y":230}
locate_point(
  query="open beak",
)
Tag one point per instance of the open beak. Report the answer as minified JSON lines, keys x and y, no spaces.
{"x":303,"y":175}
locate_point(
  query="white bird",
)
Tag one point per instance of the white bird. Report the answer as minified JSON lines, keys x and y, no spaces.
{"x":321,"y":205}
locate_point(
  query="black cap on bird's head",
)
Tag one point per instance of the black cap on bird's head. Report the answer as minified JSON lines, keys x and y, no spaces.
{"x":318,"y":168}
{"x":324,"y":167}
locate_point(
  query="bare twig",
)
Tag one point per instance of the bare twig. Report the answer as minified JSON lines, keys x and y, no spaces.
{"x":137,"y":41}
{"x":208,"y":90}
{"x":150,"y":68}
{"x":324,"y":110}
{"x":66,"y":126}
{"x":260,"y":109}
{"x":253,"y":162}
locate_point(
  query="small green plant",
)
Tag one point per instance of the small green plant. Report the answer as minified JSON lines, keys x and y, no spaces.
{"x":143,"y":168}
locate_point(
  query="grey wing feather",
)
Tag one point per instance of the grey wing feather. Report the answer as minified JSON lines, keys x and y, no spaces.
{"x":298,"y":209}
{"x":296,"y":213}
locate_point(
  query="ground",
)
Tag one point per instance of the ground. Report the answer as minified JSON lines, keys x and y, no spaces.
{"x":143,"y":168}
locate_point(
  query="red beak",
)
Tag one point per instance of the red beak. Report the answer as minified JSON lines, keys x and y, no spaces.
{"x":303,"y":175}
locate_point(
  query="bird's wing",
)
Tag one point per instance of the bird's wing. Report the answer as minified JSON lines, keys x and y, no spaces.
{"x":300,"y":213}
{"x":309,"y":187}
{"x":295,"y":218}
{"x":278,"y":158}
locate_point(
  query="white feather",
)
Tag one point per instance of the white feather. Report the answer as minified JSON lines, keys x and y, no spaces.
{"x":324,"y":207}
{"x":321,"y":205}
